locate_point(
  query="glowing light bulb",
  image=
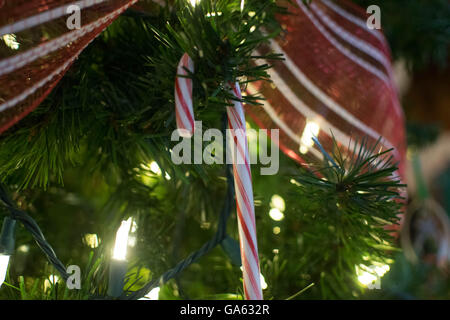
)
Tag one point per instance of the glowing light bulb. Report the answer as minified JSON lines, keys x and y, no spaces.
{"x":4,"y":261}
{"x":276,"y":214}
{"x":276,"y":230}
{"x":263,"y":282}
{"x":155,"y":168}
{"x":311,"y":130}
{"x":91,"y":240}
{"x":23,"y":248}
{"x":367,"y":278}
{"x":277,"y":202}
{"x":52,"y":279}
{"x":7,"y":245}
{"x":120,"y":247}
{"x":371,"y":275}
{"x":303,"y":149}
{"x":381,"y":270}
{"x":152,"y":294}
{"x":213,"y":14}
{"x":10,"y":41}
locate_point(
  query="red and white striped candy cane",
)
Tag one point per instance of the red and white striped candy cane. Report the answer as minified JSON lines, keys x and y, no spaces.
{"x":183,"y":98}
{"x":244,"y":198}
{"x":241,"y":172}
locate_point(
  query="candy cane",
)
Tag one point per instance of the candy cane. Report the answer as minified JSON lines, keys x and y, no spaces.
{"x":183,"y":98}
{"x":241,"y":173}
{"x":244,"y":198}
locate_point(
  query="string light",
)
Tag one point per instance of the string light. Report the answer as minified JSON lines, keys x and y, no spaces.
{"x":311,"y":130}
{"x":156,"y":170}
{"x":23,"y":248}
{"x":276,"y":230}
{"x":367,"y":275}
{"x":276,"y":214}
{"x":121,"y":244}
{"x":152,"y":294}
{"x":381,"y":271}
{"x":213,"y":14}
{"x":367,"y":278}
{"x":263,"y":282}
{"x":118,"y":264}
{"x":10,"y":41}
{"x":277,"y":202}
{"x":7,"y":243}
{"x":91,"y":240}
{"x":52,"y":279}
{"x":278,"y":206}
{"x":4,"y":261}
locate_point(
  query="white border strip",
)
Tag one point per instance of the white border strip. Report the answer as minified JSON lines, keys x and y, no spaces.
{"x":45,"y":16}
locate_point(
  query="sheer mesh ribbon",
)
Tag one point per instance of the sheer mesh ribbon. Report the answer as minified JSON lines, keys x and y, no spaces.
{"x":336,"y":77}
{"x":37,"y":47}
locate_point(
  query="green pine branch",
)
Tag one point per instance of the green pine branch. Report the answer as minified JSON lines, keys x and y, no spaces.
{"x":348,"y":203}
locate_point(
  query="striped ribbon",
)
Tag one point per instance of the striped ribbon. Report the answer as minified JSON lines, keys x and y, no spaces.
{"x":45,"y":16}
{"x":336,"y":73}
{"x":31,"y":70}
{"x":241,"y":172}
